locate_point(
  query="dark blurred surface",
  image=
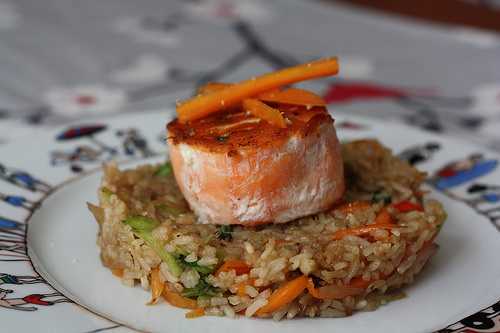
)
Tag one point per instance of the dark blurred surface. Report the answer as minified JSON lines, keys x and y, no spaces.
{"x":474,"y":13}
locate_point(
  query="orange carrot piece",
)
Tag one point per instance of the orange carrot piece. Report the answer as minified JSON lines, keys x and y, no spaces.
{"x":178,"y":300}
{"x":264,"y":112}
{"x":293,"y":96}
{"x":118,"y":272}
{"x":407,"y":206}
{"x":354,"y":206}
{"x":382,"y":221}
{"x":362,"y":230}
{"x":359,"y":282}
{"x":198,"y":312}
{"x":157,"y":286}
{"x":284,"y":295}
{"x":211,"y":87}
{"x":204,"y":105}
{"x":240,"y":287}
{"x":383,"y":217}
{"x":239,"y":266}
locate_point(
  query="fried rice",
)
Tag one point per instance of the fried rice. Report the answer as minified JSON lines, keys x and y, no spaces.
{"x":354,"y":257}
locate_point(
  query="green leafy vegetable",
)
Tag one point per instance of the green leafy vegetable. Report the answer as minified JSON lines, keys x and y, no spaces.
{"x":204,"y":270}
{"x":381,"y":196}
{"x":200,"y":290}
{"x":224,"y":232}
{"x":164,"y":170}
{"x":142,"y":227}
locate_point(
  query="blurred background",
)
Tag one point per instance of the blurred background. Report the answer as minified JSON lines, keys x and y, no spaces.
{"x":431,"y":64}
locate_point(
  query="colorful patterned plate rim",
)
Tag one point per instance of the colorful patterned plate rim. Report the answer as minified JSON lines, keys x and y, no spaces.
{"x":52,"y":280}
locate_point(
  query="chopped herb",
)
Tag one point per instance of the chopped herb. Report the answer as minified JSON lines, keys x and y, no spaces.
{"x":142,"y":227}
{"x":204,"y":270}
{"x":381,"y":196}
{"x":200,"y":290}
{"x":224,"y":232}
{"x":164,"y":170}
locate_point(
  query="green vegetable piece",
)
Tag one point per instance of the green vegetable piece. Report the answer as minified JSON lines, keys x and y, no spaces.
{"x":224,"y":232}
{"x":204,"y":270}
{"x":381,"y":196}
{"x":164,"y":170}
{"x":202,"y":289}
{"x":141,"y":223}
{"x":142,"y":227}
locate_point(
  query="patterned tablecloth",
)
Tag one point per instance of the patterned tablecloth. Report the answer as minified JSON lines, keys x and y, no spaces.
{"x":65,"y":61}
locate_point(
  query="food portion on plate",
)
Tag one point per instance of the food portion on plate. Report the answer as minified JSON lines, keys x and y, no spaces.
{"x":263,"y":213}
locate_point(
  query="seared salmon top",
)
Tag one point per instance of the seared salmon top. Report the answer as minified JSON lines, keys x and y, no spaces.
{"x":234,"y":130}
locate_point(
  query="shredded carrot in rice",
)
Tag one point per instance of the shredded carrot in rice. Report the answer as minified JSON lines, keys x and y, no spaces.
{"x":118,"y":272}
{"x":241,"y":287}
{"x":408,"y":206}
{"x":382,"y":221}
{"x":178,"y":300}
{"x":157,"y":286}
{"x":239,"y":266}
{"x":198,"y":312}
{"x":284,"y":295}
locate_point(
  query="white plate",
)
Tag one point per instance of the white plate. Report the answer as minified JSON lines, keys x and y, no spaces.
{"x":52,"y":279}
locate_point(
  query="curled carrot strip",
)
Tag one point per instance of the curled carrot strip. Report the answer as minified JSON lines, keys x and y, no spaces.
{"x":382,"y":221}
{"x":284,"y":295}
{"x":204,"y":105}
{"x":178,"y":300}
{"x":264,"y":112}
{"x":157,"y":286}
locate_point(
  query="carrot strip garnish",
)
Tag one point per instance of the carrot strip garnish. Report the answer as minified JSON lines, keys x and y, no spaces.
{"x":264,"y":112}
{"x":284,"y":295}
{"x":354,"y":206}
{"x":293,"y":96}
{"x":198,"y":312}
{"x":211,"y":87}
{"x":407,"y":206}
{"x":178,"y":300}
{"x":239,"y":266}
{"x":204,"y":105}
{"x":157,"y":286}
